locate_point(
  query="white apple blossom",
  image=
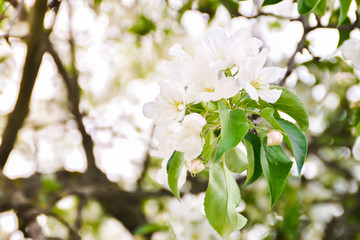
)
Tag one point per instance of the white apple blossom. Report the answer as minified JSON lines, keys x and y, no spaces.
{"x":226,"y":52}
{"x":174,"y":68}
{"x":187,"y":220}
{"x":206,"y":82}
{"x":169,"y":105}
{"x":188,"y":139}
{"x":351,"y":49}
{"x":255,"y":78}
{"x":184,"y":137}
{"x":165,"y":136}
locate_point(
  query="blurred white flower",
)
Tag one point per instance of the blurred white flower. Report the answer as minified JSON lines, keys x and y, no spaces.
{"x":187,"y":220}
{"x":188,"y":139}
{"x":225,"y":52}
{"x":351,"y":49}
{"x":174,"y":68}
{"x":184,"y":137}
{"x":255,"y":79}
{"x":165,"y":134}
{"x":206,"y":82}
{"x":356,"y":149}
{"x":169,"y":105}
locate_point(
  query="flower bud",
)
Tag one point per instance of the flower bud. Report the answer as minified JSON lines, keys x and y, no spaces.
{"x":274,"y":138}
{"x":196,"y":166}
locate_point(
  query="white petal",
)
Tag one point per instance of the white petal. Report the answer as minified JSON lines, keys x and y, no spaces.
{"x":217,"y":38}
{"x":270,"y":95}
{"x":227,"y":87}
{"x":272,"y":74}
{"x":179,"y":54}
{"x":356,"y":149}
{"x":351,"y":49}
{"x":251,"y":91}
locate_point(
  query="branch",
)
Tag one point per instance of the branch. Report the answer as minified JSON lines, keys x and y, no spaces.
{"x":33,"y":59}
{"x":300,"y":46}
{"x":72,"y":87}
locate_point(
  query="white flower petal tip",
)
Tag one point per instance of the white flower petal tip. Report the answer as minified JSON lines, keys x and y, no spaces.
{"x":350,"y":49}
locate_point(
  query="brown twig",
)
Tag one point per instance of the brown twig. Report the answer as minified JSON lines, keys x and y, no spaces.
{"x":31,"y":67}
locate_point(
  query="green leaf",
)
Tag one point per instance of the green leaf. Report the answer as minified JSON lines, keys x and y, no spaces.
{"x":357,"y":130}
{"x":320,"y":8}
{"x":298,"y":144}
{"x":252,"y":144}
{"x":276,"y":166}
{"x":234,"y":126}
{"x":142,"y":26}
{"x":290,"y":104}
{"x":149,"y":228}
{"x":208,"y":6}
{"x":294,"y":138}
{"x":344,"y":9}
{"x":343,"y":36}
{"x":270,"y":2}
{"x":174,"y":167}
{"x":356,"y":116}
{"x":236,"y":160}
{"x":231,"y":6}
{"x":305,"y":6}
{"x":208,"y":146}
{"x":221,"y":200}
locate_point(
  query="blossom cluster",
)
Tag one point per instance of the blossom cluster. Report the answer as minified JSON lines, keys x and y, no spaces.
{"x":222,"y":67}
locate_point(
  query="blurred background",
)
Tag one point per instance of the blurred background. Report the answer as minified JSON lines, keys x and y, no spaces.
{"x":76,"y":150}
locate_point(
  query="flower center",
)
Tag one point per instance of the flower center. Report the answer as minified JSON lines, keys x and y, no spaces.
{"x":180,"y":106}
{"x":256,"y":84}
{"x":209,"y":89}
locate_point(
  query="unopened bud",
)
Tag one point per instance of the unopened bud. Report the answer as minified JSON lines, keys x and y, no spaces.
{"x":196,"y":166}
{"x":274,"y":138}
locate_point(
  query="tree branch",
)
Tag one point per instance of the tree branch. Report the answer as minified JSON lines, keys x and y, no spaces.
{"x":33,"y":59}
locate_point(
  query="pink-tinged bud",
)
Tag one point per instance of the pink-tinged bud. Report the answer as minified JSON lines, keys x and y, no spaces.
{"x":274,"y":138}
{"x":196,"y":166}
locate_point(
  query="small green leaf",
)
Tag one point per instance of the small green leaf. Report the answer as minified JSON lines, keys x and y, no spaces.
{"x":356,"y":116}
{"x":234,"y":126}
{"x":142,"y":26}
{"x":298,"y":144}
{"x":252,"y":144}
{"x":270,"y":2}
{"x":320,"y":8}
{"x":231,"y":6}
{"x":290,"y":104}
{"x":276,"y":166}
{"x":174,"y":167}
{"x":344,"y":9}
{"x":357,"y":130}
{"x":305,"y":6}
{"x":221,"y":200}
{"x":343,"y":36}
{"x":149,"y":228}
{"x":208,"y":146}
{"x":236,"y":160}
